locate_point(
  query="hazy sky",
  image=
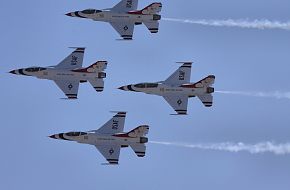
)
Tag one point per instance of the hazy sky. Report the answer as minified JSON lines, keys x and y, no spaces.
{"x":37,"y":33}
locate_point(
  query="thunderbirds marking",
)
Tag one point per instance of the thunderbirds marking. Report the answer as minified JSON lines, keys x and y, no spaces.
{"x":110,"y":138}
{"x":69,"y":73}
{"x":177,"y":89}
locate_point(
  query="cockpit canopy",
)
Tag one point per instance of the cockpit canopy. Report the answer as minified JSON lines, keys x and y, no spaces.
{"x":90,"y":11}
{"x":75,"y":134}
{"x":146,"y":85}
{"x":34,"y":69}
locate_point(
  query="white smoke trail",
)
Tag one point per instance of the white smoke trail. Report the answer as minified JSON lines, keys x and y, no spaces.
{"x":242,"y":23}
{"x":259,"y":148}
{"x":276,"y":94}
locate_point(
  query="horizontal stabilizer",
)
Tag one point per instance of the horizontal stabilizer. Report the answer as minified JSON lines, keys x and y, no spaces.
{"x":98,"y":84}
{"x":206,"y":99}
{"x":152,"y":26}
{"x":139,"y":149}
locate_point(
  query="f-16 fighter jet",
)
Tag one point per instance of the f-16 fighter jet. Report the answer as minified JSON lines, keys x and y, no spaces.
{"x":177,"y":89}
{"x":69,"y":73}
{"x":110,"y":138}
{"x":124,"y":16}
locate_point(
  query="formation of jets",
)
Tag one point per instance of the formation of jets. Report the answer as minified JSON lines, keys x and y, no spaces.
{"x":69,"y":73}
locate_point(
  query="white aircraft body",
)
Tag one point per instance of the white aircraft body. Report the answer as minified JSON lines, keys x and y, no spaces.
{"x":110,"y":138}
{"x":124,"y":16}
{"x":177,"y":89}
{"x":69,"y":73}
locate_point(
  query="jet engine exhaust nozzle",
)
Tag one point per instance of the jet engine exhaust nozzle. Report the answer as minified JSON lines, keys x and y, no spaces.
{"x":156,"y":17}
{"x":143,"y":140}
{"x":210,"y":90}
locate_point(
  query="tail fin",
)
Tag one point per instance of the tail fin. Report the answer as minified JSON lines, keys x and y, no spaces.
{"x":152,"y":9}
{"x":206,"y":99}
{"x":99,"y":66}
{"x":206,"y":82}
{"x":140,"y":131}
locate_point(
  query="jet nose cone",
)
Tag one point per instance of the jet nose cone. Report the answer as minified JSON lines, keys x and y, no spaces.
{"x":12,"y":72}
{"x":122,"y":88}
{"x":68,"y":14}
{"x":52,"y":136}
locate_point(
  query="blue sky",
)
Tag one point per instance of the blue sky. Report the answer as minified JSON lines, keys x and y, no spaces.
{"x":37,"y":33}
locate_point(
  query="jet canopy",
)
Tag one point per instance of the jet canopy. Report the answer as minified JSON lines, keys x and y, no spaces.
{"x":75,"y":134}
{"x":90,"y":11}
{"x":34,"y":69}
{"x":146,"y":85}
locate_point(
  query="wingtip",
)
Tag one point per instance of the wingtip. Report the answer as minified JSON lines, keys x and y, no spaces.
{"x":184,"y":62}
{"x":178,"y":114}
{"x":77,"y":47}
{"x":118,"y":112}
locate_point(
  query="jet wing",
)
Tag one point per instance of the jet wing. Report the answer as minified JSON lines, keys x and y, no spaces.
{"x":139,"y":149}
{"x":114,"y":125}
{"x":152,"y":26}
{"x":126,"y":6}
{"x":180,"y":76}
{"x":110,"y":152}
{"x":178,"y":103}
{"x":125,"y":29}
{"x":73,"y":61}
{"x":70,"y":88}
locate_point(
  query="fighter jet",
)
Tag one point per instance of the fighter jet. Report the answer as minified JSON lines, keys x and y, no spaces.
{"x":110,"y":138}
{"x":124,"y":16}
{"x":177,"y":89}
{"x":69,"y":73}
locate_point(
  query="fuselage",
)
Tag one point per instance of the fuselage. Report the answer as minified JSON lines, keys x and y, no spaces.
{"x":58,"y":74}
{"x":161,"y":89}
{"x":108,"y":15}
{"x":94,"y":138}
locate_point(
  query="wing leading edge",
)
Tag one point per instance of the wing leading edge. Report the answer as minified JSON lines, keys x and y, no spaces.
{"x":73,"y":61}
{"x":114,"y":125}
{"x":178,"y":103}
{"x":126,"y":6}
{"x":181,"y":75}
{"x":70,"y":88}
{"x":110,"y":152}
{"x":125,"y":29}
